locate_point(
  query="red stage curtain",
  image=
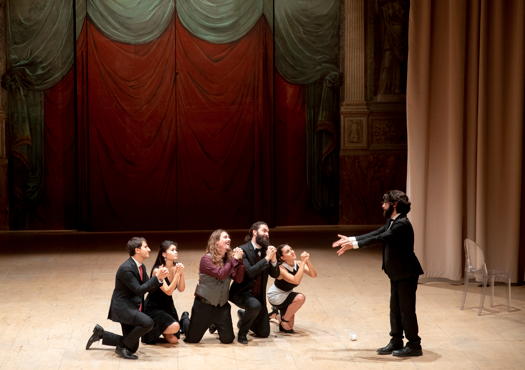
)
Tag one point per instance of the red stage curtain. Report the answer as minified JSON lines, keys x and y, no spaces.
{"x":293,"y":205}
{"x":57,"y":206}
{"x":224,"y":99}
{"x":131,"y":120}
{"x":177,"y":133}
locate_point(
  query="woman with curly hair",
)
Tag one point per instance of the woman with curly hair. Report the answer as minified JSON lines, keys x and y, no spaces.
{"x":218,"y":267}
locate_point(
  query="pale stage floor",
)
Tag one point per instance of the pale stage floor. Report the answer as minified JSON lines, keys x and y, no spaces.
{"x":57,"y":286}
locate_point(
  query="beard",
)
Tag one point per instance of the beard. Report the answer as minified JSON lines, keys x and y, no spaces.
{"x":388,"y":212}
{"x":262,"y":240}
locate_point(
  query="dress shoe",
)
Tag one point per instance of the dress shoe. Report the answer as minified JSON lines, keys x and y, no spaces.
{"x":98,"y":332}
{"x":125,"y":353}
{"x":212,"y":329}
{"x":184,"y":322}
{"x":390,"y":347}
{"x":287,"y":331}
{"x":408,"y":352}
{"x":242,"y":339}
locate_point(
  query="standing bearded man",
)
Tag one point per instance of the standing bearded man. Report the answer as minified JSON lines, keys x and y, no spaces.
{"x":402,"y":267}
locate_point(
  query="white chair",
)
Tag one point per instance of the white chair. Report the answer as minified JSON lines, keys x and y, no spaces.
{"x":476,"y":267}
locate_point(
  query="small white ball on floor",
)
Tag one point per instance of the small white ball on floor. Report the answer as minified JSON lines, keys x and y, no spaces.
{"x":353,"y":336}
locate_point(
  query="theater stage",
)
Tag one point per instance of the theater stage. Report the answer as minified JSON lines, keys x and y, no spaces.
{"x":57,"y":285}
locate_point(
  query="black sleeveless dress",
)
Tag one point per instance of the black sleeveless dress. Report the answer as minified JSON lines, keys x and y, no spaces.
{"x":159,"y":306}
{"x":287,"y":287}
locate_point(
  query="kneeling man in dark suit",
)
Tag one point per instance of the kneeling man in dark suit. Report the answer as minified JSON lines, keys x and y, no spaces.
{"x":131,"y":283}
{"x":402,"y":267}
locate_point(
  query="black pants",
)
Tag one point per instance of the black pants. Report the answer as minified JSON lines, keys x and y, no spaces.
{"x":131,"y":334}
{"x":403,"y":311}
{"x":202,"y":316}
{"x":255,"y":315}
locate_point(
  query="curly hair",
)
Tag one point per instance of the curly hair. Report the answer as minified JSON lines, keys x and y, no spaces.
{"x":400,"y":198}
{"x":211,"y":248}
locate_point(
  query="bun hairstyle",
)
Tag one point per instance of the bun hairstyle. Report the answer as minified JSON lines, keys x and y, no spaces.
{"x":279,"y":253}
{"x":400,"y":199}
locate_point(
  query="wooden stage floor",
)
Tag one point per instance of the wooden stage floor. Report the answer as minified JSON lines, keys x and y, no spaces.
{"x":57,"y":285}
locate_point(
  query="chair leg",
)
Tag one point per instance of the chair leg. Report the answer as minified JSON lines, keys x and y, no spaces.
{"x":482,"y":295}
{"x":492,"y":280}
{"x":465,"y":288}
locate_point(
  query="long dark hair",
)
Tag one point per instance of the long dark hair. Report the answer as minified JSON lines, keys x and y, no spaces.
{"x":279,"y":253}
{"x":160,"y":260}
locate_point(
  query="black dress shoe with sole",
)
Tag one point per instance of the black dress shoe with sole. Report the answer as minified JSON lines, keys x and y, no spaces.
{"x":98,"y":332}
{"x":408,"y":352}
{"x":242,"y":339}
{"x":389,"y":348}
{"x":125,"y":353}
{"x":184,"y":322}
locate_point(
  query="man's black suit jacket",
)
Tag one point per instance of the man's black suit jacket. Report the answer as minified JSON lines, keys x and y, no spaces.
{"x":129,"y":292}
{"x":253,"y":269}
{"x":399,"y":260}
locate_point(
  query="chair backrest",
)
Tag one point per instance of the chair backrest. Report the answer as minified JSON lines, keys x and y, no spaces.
{"x":474,"y":258}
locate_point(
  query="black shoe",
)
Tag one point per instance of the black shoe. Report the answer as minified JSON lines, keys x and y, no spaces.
{"x":98,"y":332}
{"x":242,"y":339}
{"x":240,"y":315}
{"x":275,"y":311}
{"x":283,"y":330}
{"x":212,"y":329}
{"x":390,"y":347}
{"x":125,"y":353}
{"x":184,"y":322}
{"x":408,"y":352}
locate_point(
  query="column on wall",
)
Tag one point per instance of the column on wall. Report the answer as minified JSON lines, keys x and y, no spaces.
{"x":4,"y":224}
{"x":373,"y":112}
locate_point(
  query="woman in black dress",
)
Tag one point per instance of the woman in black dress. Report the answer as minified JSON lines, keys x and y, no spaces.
{"x":159,"y":303}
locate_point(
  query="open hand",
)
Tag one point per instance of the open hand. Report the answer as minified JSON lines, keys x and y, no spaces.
{"x":342,"y":240}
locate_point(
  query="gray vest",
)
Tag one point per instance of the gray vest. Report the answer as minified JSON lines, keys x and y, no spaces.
{"x":213,"y":290}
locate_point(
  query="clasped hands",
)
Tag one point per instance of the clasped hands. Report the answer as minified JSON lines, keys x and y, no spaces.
{"x":271,"y":254}
{"x":237,"y":253}
{"x":162,"y":272}
{"x":344,"y":243}
{"x":305,"y":257}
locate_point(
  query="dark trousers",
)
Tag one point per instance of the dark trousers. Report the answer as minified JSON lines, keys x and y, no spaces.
{"x":131,"y":333}
{"x":202,"y":316}
{"x":255,"y":315}
{"x":403,"y":311}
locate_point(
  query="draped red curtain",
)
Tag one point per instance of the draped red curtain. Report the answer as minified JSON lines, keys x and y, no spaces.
{"x":177,"y":133}
{"x":57,"y":206}
{"x":131,"y":120}
{"x":225,"y":133}
{"x":293,"y":206}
